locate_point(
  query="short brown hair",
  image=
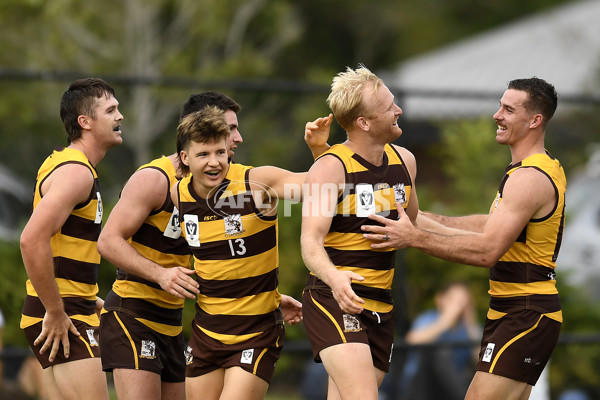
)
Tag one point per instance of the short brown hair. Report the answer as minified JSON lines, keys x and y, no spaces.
{"x":80,"y":99}
{"x":206,"y":125}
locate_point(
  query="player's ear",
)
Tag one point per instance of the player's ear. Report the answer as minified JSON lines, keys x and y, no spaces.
{"x":184,"y":158}
{"x":362,"y":123}
{"x":536,"y":121}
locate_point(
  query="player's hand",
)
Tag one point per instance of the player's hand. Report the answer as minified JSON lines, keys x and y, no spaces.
{"x":55,"y":330}
{"x":340,"y":283}
{"x":291,"y":310}
{"x":179,"y":282}
{"x":316,"y":132}
{"x":394,"y":233}
{"x":99,"y":306}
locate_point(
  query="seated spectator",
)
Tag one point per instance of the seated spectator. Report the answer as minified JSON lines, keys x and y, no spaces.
{"x":444,"y":371}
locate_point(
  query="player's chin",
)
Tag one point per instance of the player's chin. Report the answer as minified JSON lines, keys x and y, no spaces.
{"x":117,"y":141}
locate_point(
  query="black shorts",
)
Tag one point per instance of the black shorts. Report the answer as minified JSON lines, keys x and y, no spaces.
{"x":327,"y":325}
{"x":127,"y":343}
{"x":81,"y":347}
{"x":257,"y":355}
{"x":518,"y":344}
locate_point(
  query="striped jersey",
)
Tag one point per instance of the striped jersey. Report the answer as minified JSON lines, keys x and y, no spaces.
{"x":526,"y":270}
{"x":158,"y":239}
{"x":369,"y":189}
{"x":235,"y":258}
{"x":74,"y":248}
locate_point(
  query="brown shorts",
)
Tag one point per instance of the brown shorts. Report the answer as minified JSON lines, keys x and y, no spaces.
{"x":82,"y":347}
{"x":327,"y":325}
{"x":257,"y":355}
{"x":127,"y":343}
{"x":518,"y":345}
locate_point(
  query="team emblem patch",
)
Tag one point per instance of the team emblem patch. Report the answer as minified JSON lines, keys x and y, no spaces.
{"x":400,"y":194}
{"x":247,"y":356}
{"x":233,"y":224}
{"x":351,"y":323}
{"x":91,"y":338}
{"x":188,"y":355}
{"x":489,"y":350}
{"x":148,"y":349}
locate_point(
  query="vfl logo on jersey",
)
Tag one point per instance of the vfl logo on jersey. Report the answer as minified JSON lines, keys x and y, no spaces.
{"x":233,"y":224}
{"x":98,"y":219}
{"x":173,"y":229}
{"x":247,"y":356}
{"x":489,"y":350}
{"x":148,"y":349}
{"x":351,"y":323}
{"x":400,"y":194}
{"x":188,"y":355}
{"x":365,"y":200}
{"x":190,"y":223}
{"x":91,"y":338}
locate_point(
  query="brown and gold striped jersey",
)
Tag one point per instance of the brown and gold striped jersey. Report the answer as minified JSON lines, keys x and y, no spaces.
{"x":526,"y":270}
{"x":368,"y":189}
{"x":235,"y":258}
{"x":74,"y":248}
{"x":158,"y":239}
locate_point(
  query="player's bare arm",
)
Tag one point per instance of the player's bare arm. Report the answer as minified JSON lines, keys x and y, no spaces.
{"x":527,"y":194}
{"x":424,"y":222}
{"x":66,"y":187}
{"x":146,"y":190}
{"x":471,"y":223}
{"x":322,"y":187}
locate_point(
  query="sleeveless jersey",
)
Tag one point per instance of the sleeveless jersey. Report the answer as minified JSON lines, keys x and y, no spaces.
{"x":235,"y":258}
{"x":158,"y":239}
{"x":74,"y":248}
{"x":526,"y":270}
{"x":368,"y":190}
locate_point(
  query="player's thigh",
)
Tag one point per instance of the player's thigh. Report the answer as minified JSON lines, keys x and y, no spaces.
{"x":172,"y":390}
{"x":133,"y":384}
{"x":81,"y":379}
{"x":332,"y":391}
{"x":494,"y":387}
{"x":350,"y":366}
{"x":241,"y":384}
{"x":49,"y":389}
{"x":206,"y":386}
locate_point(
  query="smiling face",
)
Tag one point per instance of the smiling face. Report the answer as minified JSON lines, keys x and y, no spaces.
{"x":512,"y":118}
{"x":383,"y":113}
{"x":208,"y":164}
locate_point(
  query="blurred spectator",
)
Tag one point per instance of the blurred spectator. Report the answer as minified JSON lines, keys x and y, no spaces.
{"x":20,"y":376}
{"x":314,"y":381}
{"x":442,"y":372}
{"x":30,"y":379}
{"x":573,"y":394}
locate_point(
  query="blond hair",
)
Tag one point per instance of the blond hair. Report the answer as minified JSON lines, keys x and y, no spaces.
{"x":347,"y":92}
